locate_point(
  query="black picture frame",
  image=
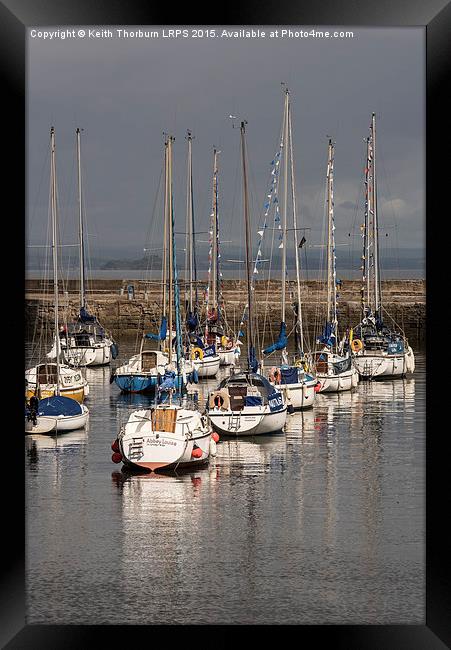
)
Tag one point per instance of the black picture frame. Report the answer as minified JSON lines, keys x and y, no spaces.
{"x":435,"y":16}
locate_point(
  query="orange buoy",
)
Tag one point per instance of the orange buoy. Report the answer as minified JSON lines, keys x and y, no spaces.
{"x":116,"y":457}
{"x":196,"y":453}
{"x":215,"y":436}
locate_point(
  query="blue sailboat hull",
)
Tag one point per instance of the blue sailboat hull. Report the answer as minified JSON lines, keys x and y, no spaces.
{"x":136,"y":383}
{"x":141,"y":383}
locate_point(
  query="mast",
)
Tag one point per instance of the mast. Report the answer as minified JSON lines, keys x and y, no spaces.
{"x":296,"y":250}
{"x":285,"y":201}
{"x":214,"y":261}
{"x":250,"y":343}
{"x":165,"y":222}
{"x":377,"y":281}
{"x":189,"y":228}
{"x":365,"y":301}
{"x":331,"y":258}
{"x":80,"y":223}
{"x":170,"y":242}
{"x":55,"y":253}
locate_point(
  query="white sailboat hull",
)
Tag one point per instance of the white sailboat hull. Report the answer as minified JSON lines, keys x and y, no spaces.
{"x":250,"y":421}
{"x":300,"y":396}
{"x":43,"y":424}
{"x":337,"y":383}
{"x":385,"y":365}
{"x":71,"y":422}
{"x":227,"y":357}
{"x":98,"y":355}
{"x":206,"y":367}
{"x":144,"y":448}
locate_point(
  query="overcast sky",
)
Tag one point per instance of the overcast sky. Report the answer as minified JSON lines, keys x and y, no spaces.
{"x":125,"y":93}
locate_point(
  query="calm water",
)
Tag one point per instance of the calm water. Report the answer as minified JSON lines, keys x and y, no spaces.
{"x":322,"y":524}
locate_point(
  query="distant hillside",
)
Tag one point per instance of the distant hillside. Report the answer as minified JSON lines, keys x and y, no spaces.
{"x":150,"y":262}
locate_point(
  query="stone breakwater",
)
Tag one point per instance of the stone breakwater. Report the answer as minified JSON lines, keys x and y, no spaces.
{"x":403,"y":300}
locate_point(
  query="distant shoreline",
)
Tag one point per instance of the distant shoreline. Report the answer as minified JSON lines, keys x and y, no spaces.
{"x":142,"y":274}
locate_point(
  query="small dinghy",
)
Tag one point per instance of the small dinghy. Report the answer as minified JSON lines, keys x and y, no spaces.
{"x":66,"y":413}
{"x":39,"y":424}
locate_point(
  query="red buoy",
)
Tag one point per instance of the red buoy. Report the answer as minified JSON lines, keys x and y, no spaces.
{"x":317,"y":387}
{"x":116,"y":457}
{"x":115,"y":445}
{"x":196,"y":453}
{"x":215,"y":436}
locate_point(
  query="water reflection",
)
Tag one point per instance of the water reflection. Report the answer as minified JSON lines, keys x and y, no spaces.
{"x":323,"y":523}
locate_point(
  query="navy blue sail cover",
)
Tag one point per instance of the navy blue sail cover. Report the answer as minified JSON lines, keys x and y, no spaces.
{"x":86,"y":317}
{"x":281,"y":342}
{"x":59,"y":405}
{"x":192,"y":321}
{"x":253,"y":363}
{"x":328,"y":336}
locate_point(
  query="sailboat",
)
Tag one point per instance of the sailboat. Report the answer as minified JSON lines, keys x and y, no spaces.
{"x":378,"y":350}
{"x":84,"y":341}
{"x":216,"y":329}
{"x":167,"y":435}
{"x":68,"y":413}
{"x":201,"y":351}
{"x":297,"y":386}
{"x":334,"y":368}
{"x":145,"y":371}
{"x":245,"y":403}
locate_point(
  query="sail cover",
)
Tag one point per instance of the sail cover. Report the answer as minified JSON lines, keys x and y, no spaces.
{"x":328,"y":336}
{"x":59,"y":405}
{"x":161,"y":336}
{"x":253,"y":363}
{"x":192,"y":321}
{"x":86,"y":317}
{"x":281,"y":342}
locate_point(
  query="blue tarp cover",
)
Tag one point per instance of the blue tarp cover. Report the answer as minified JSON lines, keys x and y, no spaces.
{"x":289,"y":375}
{"x":58,"y":405}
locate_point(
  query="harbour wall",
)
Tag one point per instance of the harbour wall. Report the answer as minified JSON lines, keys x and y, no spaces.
{"x":123,"y":311}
